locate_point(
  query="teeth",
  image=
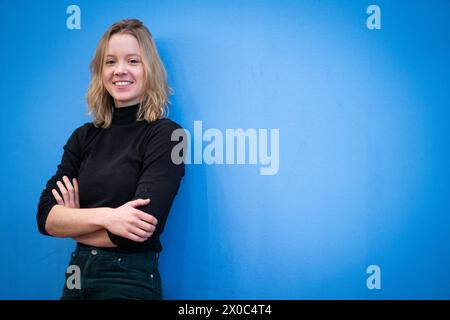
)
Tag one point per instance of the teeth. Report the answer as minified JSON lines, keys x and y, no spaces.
{"x":122,"y":83}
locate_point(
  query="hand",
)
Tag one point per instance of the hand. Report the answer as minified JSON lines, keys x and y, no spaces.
{"x":70,"y":196}
{"x":131,"y":223}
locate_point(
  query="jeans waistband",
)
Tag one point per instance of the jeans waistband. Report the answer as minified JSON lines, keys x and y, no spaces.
{"x":111,"y":251}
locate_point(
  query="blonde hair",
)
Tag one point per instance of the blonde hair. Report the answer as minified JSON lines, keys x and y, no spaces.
{"x":156,"y":92}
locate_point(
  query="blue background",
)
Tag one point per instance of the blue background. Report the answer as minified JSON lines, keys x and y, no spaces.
{"x":364,"y":144}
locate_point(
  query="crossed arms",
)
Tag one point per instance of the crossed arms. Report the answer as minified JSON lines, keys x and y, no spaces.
{"x":90,"y":226}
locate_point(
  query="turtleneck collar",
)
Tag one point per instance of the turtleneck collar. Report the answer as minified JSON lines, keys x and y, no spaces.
{"x":125,"y":115}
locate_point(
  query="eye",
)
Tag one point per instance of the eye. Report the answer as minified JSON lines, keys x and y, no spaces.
{"x":109,"y":62}
{"x":134,"y":61}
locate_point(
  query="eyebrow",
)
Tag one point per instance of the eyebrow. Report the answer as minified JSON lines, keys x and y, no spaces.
{"x":128,"y":55}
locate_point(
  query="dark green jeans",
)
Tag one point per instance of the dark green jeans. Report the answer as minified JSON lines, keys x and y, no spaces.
{"x":97,"y":274}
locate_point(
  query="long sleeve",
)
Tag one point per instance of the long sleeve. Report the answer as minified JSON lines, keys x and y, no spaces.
{"x":69,"y":167}
{"x":159,"y":181}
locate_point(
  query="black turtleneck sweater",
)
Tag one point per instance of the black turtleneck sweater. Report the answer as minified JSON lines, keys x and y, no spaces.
{"x":127,"y":161}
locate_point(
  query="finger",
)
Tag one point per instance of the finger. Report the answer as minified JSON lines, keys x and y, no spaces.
{"x":58,"y":198}
{"x":147,"y":227}
{"x":140,"y":233}
{"x":77,"y":194}
{"x":139,"y":202}
{"x":134,"y":237}
{"x":146,"y":217}
{"x":69,"y":188}
{"x":64,"y":192}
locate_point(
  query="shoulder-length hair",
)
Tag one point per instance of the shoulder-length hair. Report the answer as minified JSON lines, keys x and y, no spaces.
{"x":156,"y":92}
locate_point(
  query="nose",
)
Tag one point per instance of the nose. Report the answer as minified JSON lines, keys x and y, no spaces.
{"x":120,"y":69}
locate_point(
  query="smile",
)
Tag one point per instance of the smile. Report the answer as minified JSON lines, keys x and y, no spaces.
{"x":122,"y":83}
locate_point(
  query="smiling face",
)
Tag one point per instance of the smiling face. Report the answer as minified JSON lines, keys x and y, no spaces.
{"x":123,"y":71}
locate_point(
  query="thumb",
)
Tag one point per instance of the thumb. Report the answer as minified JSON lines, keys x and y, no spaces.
{"x":139,"y":202}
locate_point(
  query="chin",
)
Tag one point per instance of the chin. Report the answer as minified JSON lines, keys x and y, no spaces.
{"x":124,"y":99}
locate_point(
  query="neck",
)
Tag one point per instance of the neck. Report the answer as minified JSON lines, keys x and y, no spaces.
{"x":125,"y":114}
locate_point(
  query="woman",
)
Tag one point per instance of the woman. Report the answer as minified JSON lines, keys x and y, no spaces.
{"x":114,"y":187}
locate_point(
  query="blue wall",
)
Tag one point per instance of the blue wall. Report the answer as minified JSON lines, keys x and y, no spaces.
{"x":364,"y":144}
